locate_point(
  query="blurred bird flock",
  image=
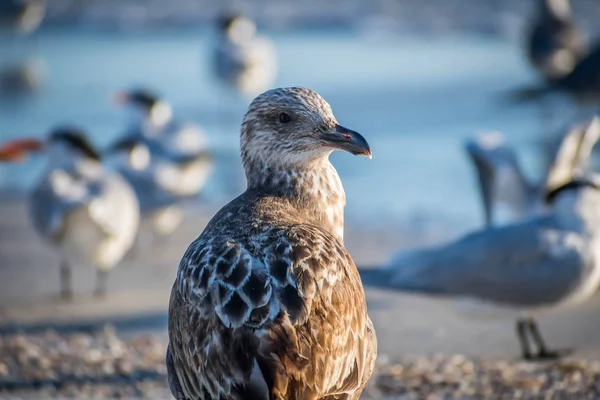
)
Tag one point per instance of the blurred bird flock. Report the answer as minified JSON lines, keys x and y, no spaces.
{"x":120,"y":121}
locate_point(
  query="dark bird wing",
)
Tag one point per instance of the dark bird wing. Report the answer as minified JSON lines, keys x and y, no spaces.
{"x":280,"y":316}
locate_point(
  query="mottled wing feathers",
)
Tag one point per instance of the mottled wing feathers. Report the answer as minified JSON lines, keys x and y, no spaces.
{"x":174,"y":384}
{"x":289,"y":303}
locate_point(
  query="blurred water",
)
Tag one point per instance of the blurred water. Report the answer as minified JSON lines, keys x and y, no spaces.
{"x":414,"y":98}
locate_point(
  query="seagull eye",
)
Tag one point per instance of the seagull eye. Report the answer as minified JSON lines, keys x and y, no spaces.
{"x":284,"y":118}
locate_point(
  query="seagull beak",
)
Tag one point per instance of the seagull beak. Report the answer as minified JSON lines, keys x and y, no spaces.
{"x":16,"y":150}
{"x":120,"y":98}
{"x":345,"y":139}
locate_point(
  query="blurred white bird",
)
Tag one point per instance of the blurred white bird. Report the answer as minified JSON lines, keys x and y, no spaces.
{"x":88,"y":213}
{"x":545,"y":263}
{"x":18,"y":74}
{"x":165,"y":161}
{"x":243,"y":60}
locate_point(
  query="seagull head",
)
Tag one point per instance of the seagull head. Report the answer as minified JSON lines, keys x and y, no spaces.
{"x":63,"y":144}
{"x":145,"y":105}
{"x":293,"y":127}
{"x":236,"y":27}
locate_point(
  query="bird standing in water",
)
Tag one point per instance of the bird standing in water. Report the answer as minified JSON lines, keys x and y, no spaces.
{"x":267,"y":303}
{"x":88,"y":213}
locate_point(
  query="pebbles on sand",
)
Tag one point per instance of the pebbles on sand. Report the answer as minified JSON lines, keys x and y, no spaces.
{"x":105,"y":365}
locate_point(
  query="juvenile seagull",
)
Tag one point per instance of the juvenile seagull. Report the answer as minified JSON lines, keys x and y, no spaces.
{"x":89,"y":214}
{"x":267,"y":303}
{"x":555,"y":44}
{"x":243,"y":60}
{"x":164,"y":161}
{"x":521,"y":270}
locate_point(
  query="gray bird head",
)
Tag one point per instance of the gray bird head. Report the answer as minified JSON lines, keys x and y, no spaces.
{"x":292,"y":127}
{"x":73,"y":140}
{"x":63,"y":144}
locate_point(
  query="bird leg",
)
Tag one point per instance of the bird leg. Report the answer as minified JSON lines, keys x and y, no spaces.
{"x":101,"y":283}
{"x":543,"y":352}
{"x":66,"y":290}
{"x":523,"y":339}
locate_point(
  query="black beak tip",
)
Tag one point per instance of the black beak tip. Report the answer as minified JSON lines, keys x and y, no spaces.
{"x":358,"y":144}
{"x":366,"y":153}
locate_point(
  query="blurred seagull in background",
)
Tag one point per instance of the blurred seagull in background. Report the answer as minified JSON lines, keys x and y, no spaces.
{"x":152,"y":121}
{"x":160,"y":181}
{"x":164,"y":161}
{"x":88,"y":213}
{"x":555,"y":43}
{"x":521,"y":270}
{"x":19,"y":18}
{"x":243,"y":60}
{"x":267,"y":303}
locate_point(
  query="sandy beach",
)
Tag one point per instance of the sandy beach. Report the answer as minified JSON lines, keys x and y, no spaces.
{"x":419,"y":338}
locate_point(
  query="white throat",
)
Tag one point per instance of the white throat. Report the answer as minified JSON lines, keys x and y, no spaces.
{"x":315,"y":187}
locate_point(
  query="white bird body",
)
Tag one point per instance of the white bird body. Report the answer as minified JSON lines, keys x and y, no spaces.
{"x":90,"y":213}
{"x":87,"y":212}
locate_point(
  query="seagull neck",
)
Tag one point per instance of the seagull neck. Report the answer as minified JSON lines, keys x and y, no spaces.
{"x":315,"y":189}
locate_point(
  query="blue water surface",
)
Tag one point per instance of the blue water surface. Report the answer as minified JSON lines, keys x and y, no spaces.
{"x":416,"y":99}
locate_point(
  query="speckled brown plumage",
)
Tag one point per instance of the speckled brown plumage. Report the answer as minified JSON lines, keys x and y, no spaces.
{"x":268,"y":303}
